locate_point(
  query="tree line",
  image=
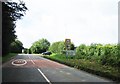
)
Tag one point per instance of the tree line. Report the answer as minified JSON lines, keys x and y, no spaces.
{"x":107,"y":54}
{"x":43,"y":45}
{"x":11,"y":12}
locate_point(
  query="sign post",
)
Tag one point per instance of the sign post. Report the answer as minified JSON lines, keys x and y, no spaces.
{"x":67,"y":45}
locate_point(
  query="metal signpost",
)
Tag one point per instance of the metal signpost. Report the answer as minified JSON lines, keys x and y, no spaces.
{"x":67,"y":45}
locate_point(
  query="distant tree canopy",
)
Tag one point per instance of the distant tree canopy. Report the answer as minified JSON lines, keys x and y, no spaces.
{"x":58,"y":47}
{"x":40,"y":46}
{"x":11,"y":12}
{"x":16,"y":47}
{"x":26,"y":50}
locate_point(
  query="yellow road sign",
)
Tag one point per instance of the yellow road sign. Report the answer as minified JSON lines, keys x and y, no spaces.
{"x":67,"y":43}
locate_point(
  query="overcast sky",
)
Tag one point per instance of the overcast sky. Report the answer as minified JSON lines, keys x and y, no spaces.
{"x":83,"y":21}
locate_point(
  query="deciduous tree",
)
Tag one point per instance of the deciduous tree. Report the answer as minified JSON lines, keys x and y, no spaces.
{"x":40,"y":46}
{"x":16,"y":46}
{"x":11,"y":12}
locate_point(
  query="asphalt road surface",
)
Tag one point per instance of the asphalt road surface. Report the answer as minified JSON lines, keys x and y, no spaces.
{"x":34,"y":68}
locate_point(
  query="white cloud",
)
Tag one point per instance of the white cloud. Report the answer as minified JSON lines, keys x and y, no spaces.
{"x":84,"y":21}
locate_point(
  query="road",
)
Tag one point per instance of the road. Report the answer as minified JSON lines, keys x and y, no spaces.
{"x":38,"y":69}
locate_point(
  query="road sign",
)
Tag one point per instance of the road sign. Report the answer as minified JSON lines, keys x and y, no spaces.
{"x":70,"y":53}
{"x":67,"y":43}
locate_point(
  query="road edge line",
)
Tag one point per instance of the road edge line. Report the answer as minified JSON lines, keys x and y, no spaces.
{"x":44,"y":76}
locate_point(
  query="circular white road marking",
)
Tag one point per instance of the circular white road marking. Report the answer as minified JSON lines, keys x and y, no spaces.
{"x":19,"y":62}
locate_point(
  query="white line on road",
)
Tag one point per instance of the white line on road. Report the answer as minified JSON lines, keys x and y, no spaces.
{"x":44,"y":76}
{"x":31,"y":60}
{"x":41,"y":72}
{"x":22,"y":62}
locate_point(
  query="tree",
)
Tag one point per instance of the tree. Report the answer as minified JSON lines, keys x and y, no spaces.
{"x":81,"y":49}
{"x":29,"y":51}
{"x":72,"y":46}
{"x":26,"y":50}
{"x":40,"y":46}
{"x":57,"y":47}
{"x":16,"y":46}
{"x":11,"y":12}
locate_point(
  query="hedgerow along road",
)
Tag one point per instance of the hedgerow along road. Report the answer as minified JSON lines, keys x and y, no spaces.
{"x":35,"y":68}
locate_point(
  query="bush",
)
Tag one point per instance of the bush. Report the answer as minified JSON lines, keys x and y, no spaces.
{"x":89,"y":66}
{"x":105,"y":54}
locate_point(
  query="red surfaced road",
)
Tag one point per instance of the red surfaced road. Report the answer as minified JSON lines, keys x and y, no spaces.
{"x":37,"y":63}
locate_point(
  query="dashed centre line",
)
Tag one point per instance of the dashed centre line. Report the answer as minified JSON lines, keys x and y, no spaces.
{"x":31,"y":60}
{"x":41,"y":72}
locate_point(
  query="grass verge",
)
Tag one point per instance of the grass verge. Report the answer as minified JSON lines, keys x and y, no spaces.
{"x":109,"y":72}
{"x":8,"y":57}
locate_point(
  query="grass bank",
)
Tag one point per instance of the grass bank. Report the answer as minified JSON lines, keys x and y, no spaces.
{"x":8,"y":57}
{"x":93,"y":67}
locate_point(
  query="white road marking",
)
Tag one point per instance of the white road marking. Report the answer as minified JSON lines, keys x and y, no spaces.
{"x":65,"y":72}
{"x":31,"y":60}
{"x":83,"y":80}
{"x":68,"y":73}
{"x":61,"y":71}
{"x":41,"y":72}
{"x":19,"y":60}
{"x":56,"y":68}
{"x":44,"y":76}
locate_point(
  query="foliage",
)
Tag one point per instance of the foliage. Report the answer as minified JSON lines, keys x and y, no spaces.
{"x":99,"y":59}
{"x":29,"y":51}
{"x":16,"y":46}
{"x":40,"y":46}
{"x":87,"y":65}
{"x":105,"y":54}
{"x":8,"y":57}
{"x":11,"y":12}
{"x":59,"y":47}
{"x":72,"y":46}
{"x":25,"y":50}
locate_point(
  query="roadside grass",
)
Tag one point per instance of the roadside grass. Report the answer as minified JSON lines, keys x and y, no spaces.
{"x":8,"y":57}
{"x":93,"y":67}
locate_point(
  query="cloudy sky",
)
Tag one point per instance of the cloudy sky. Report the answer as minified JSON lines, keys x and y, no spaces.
{"x":83,"y":21}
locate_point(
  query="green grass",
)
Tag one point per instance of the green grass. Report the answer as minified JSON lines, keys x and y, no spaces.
{"x":88,"y":66}
{"x":8,"y":57}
